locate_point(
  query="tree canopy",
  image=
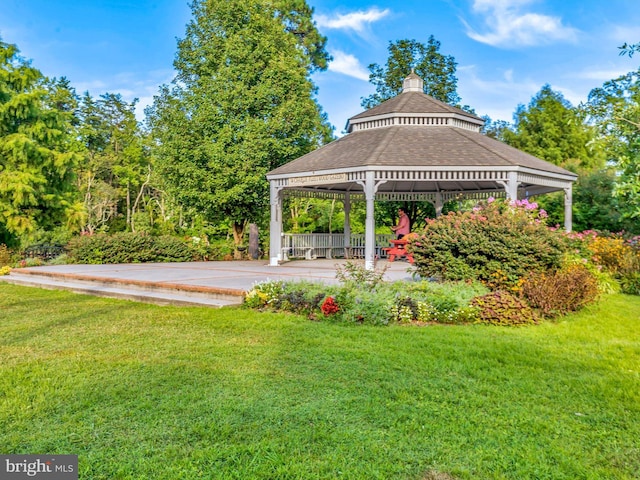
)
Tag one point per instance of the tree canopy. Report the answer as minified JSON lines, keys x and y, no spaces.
{"x":241,"y":104}
{"x":552,"y":129}
{"x":36,"y":163}
{"x":615,"y":108}
{"x":436,"y":69}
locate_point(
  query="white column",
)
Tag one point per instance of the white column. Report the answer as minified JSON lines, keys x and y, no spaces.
{"x":512,"y":186}
{"x":275,"y":225}
{"x":347,"y":223}
{"x":568,"y":203}
{"x":438,"y":204}
{"x":370,"y":223}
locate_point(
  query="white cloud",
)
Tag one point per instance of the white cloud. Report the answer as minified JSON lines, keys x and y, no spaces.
{"x":349,"y":65}
{"x":601,"y":75}
{"x":356,"y":21}
{"x":622,"y":34}
{"x":496,"y":98}
{"x":508,"y":25}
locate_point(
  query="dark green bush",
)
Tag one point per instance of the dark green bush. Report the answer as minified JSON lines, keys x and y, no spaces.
{"x":503,"y":308}
{"x":130,"y":248}
{"x":498,"y":244}
{"x":558,"y":293}
{"x":630,"y":283}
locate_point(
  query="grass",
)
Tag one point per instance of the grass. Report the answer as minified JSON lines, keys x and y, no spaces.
{"x":147,"y":392}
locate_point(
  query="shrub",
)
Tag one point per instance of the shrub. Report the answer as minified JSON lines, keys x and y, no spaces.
{"x":357,"y":275}
{"x":264,"y":294}
{"x":129,"y":248}
{"x":613,"y":253}
{"x":558,"y":293}
{"x":630,"y":283}
{"x":397,"y":302}
{"x":6,"y":257}
{"x":503,"y":308}
{"x":498,"y":243}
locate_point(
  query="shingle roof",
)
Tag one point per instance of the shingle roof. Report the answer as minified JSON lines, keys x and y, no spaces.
{"x":412,"y":102}
{"x":415,"y":146}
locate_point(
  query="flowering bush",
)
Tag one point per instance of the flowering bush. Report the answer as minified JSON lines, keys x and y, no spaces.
{"x":497,"y":243}
{"x":396,"y":302}
{"x":608,"y":256}
{"x":329,"y":306}
{"x":612,"y":253}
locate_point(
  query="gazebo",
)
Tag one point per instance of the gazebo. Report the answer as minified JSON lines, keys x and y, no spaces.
{"x":411,"y":148}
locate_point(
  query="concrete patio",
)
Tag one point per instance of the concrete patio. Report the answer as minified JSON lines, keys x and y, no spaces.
{"x":212,"y":284}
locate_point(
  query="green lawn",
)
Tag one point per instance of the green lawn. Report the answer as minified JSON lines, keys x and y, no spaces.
{"x":146,"y":392}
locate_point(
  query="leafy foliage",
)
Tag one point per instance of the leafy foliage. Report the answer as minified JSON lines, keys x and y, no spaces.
{"x":595,"y":207}
{"x":115,"y":177}
{"x":498,"y":243}
{"x":36,"y":165}
{"x":615,"y":108}
{"x":386,"y":303}
{"x":127,"y":247}
{"x":437,"y":70}
{"x":503,"y":308}
{"x":552,"y":129}
{"x":560,"y":292}
{"x":241,"y":104}
{"x":6,"y":256}
{"x":355,"y":274}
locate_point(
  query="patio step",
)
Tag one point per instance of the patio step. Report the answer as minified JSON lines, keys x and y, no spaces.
{"x":159,"y":293}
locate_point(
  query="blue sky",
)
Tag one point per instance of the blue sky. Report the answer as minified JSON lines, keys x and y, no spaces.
{"x":506,"y":49}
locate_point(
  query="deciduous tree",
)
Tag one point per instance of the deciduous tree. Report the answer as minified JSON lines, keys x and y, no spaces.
{"x":241,"y":104}
{"x":436,"y":69}
{"x":615,"y":107}
{"x":552,"y":129}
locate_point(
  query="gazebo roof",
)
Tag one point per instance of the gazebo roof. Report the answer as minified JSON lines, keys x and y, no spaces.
{"x":414,"y":146}
{"x":423,"y":141}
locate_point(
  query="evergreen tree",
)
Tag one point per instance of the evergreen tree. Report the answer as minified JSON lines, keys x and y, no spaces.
{"x":241,"y":104}
{"x":36,"y":159}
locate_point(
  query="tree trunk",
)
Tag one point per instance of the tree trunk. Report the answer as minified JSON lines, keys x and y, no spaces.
{"x":238,"y":236}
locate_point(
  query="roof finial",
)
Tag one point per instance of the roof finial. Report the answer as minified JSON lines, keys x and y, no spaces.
{"x":413,"y":83}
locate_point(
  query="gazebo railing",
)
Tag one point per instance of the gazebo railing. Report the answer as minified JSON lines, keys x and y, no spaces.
{"x":329,"y":245}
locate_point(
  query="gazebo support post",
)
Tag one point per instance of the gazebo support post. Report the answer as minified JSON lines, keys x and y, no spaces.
{"x":346,"y":201}
{"x":512,"y":186}
{"x":568,"y":203}
{"x":275,"y":225}
{"x":438,"y":204}
{"x":370,"y":223}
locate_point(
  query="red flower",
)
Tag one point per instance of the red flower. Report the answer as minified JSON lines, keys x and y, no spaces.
{"x":329,"y":306}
